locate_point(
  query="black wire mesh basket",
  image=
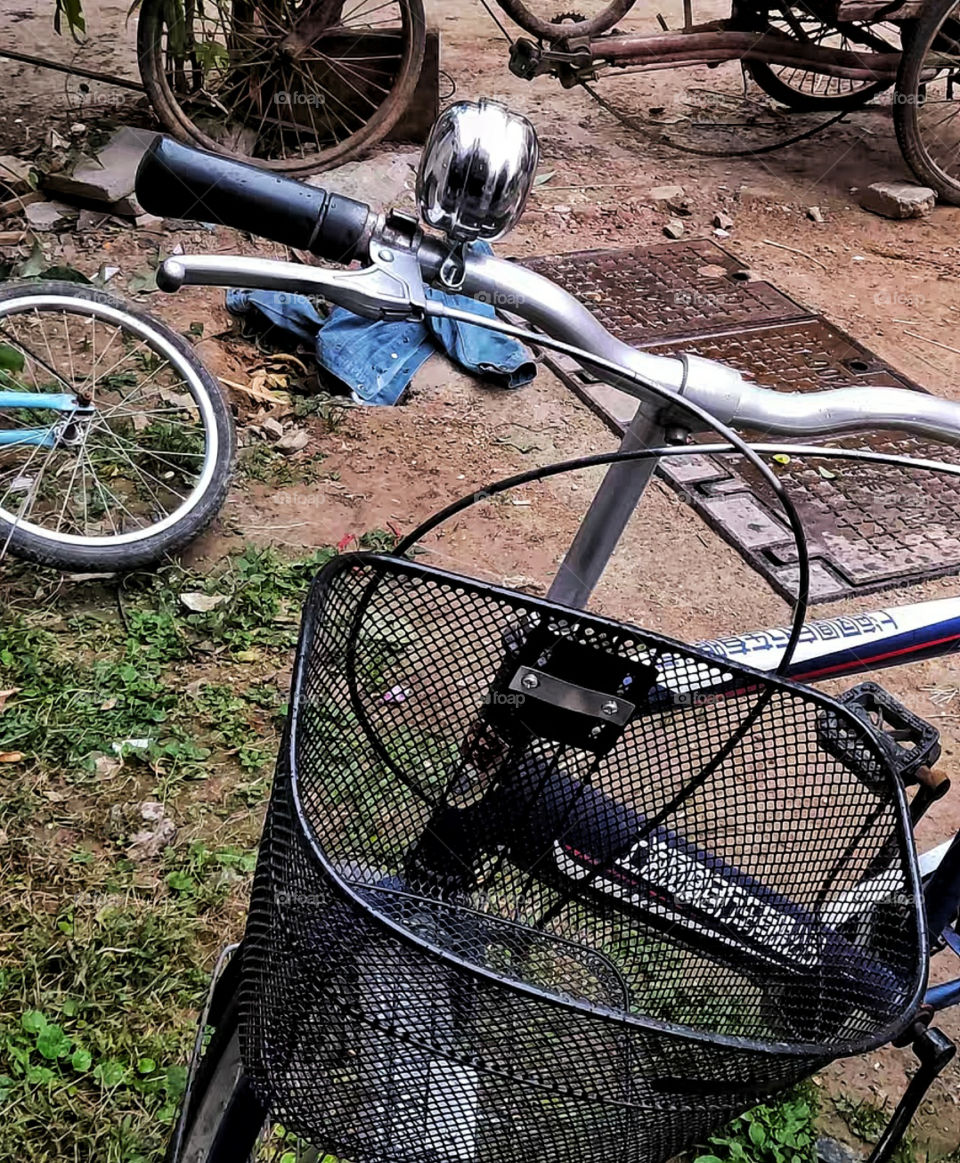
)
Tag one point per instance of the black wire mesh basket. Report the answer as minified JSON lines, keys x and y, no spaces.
{"x":538,"y":886}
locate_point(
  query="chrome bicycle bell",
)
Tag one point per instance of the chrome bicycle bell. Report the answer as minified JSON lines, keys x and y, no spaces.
{"x":477,"y":169}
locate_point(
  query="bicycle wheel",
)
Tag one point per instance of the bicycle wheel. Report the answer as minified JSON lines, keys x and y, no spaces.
{"x":926,"y":112}
{"x":533,"y":17}
{"x":811,"y":92}
{"x":292,"y":85}
{"x":224,"y":1121}
{"x":116,"y":445}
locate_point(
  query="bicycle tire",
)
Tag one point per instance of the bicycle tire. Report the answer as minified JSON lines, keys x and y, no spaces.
{"x":177,"y":120}
{"x":908,"y":103}
{"x":770,"y":80}
{"x":548,"y":31}
{"x":223,"y":1118}
{"x":26,"y":540}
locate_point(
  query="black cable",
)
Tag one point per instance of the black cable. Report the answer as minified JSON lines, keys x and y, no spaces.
{"x":496,"y":19}
{"x":639,"y":127}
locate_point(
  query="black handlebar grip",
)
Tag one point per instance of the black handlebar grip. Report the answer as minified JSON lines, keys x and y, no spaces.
{"x":177,"y":181}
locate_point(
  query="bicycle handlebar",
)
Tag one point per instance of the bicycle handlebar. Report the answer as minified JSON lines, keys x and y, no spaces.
{"x":180,"y":182}
{"x":177,"y":180}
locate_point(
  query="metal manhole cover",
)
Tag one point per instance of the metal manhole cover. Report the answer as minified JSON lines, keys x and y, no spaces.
{"x":676,"y":290}
{"x":869,"y":527}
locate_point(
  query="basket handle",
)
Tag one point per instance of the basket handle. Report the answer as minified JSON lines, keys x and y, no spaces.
{"x":801,"y":603}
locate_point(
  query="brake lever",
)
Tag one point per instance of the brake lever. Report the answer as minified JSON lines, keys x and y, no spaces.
{"x":390,"y":288}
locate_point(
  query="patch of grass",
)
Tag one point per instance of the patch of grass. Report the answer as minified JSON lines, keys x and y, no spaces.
{"x":868,"y":1122}
{"x":781,"y":1132}
{"x":124,"y":694}
{"x":270,"y":466}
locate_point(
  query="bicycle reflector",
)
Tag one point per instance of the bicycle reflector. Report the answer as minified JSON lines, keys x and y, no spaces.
{"x":536,"y":885}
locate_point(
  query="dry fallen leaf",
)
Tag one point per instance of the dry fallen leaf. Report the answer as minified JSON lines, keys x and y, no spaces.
{"x":4,"y":695}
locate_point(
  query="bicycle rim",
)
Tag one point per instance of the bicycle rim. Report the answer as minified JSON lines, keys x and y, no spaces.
{"x":143,"y":457}
{"x":289,"y":85}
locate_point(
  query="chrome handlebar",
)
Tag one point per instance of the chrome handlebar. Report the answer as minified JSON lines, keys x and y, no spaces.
{"x":392,"y":286}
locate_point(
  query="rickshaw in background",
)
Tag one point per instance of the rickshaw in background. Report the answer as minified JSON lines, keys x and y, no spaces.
{"x":301,"y":85}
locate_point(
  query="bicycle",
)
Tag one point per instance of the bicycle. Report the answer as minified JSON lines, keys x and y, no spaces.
{"x":116,"y":445}
{"x":533,"y":882}
{"x":300,"y":87}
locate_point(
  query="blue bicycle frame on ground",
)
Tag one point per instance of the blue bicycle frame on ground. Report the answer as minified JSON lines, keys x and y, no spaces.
{"x":35,"y":401}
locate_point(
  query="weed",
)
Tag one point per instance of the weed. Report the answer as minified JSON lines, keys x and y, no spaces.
{"x":868,"y":1122}
{"x":124,"y":694}
{"x":783,"y":1132}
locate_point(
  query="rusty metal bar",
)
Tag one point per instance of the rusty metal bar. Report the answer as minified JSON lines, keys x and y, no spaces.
{"x":709,"y":44}
{"x":73,"y":70}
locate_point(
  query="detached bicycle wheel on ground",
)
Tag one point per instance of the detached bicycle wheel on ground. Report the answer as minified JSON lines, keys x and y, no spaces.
{"x":116,"y":445}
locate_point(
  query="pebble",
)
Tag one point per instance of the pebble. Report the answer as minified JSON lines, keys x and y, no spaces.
{"x":674,"y":228}
{"x":45,"y":216}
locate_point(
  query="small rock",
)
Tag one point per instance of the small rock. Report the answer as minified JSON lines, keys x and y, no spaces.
{"x":44,"y":216}
{"x":712,"y":271}
{"x":78,"y":129}
{"x":674,"y":228}
{"x":661,"y":195}
{"x":898,"y":200}
{"x":15,"y":173}
{"x":91,"y":219}
{"x":148,"y":222}
{"x":55,"y":141}
{"x":815,"y":214}
{"x":718,"y":233}
{"x":664,"y":193}
{"x":198,"y":603}
{"x":293,"y":441}
{"x":831,"y":1151}
{"x":105,"y":766}
{"x":109,"y":178}
{"x":722,"y":221}
{"x":563,"y":208}
{"x":682,"y":207}
{"x":127,"y":207}
{"x":272,"y":428}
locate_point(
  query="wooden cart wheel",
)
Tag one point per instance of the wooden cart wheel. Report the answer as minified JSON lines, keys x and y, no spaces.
{"x":926,"y":110}
{"x":812,"y":92}
{"x":291,"y":85}
{"x":534,"y":17}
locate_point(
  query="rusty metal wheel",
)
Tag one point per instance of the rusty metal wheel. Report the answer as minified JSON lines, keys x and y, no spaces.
{"x":808,"y":91}
{"x":290,"y":85}
{"x":533,"y":16}
{"x":926,"y":102}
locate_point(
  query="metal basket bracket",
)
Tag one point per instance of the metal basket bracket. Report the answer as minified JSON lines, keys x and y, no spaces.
{"x":536,"y":684}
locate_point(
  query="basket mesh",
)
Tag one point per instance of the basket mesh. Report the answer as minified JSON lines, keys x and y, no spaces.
{"x":486,"y":928}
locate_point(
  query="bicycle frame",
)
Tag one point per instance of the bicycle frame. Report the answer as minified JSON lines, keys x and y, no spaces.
{"x":41,"y":437}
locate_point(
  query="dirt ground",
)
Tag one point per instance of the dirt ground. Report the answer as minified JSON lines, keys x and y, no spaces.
{"x":880,"y":280}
